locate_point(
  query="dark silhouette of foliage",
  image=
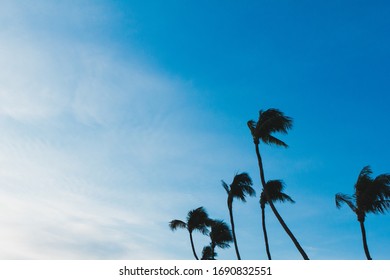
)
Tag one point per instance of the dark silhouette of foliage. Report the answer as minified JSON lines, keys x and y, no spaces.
{"x":275,"y":192}
{"x":371,"y":196}
{"x":269,"y":122}
{"x":208,"y":253}
{"x":198,"y":220}
{"x":220,"y":236}
{"x":239,"y":188}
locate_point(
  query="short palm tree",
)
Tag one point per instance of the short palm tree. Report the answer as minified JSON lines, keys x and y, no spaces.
{"x":239,"y":188}
{"x":371,"y":196}
{"x":208,"y":254}
{"x":220,"y":236}
{"x":275,"y":192}
{"x":197,"y":219}
{"x":269,"y":122}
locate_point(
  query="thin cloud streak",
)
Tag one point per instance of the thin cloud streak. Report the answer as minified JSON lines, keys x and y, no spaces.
{"x":79,"y":132}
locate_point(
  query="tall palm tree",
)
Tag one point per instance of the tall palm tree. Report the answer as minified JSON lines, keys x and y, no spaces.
{"x":275,"y":192}
{"x":239,"y":188}
{"x":197,"y":219}
{"x":269,"y":122}
{"x":220,"y":236}
{"x":371,"y":196}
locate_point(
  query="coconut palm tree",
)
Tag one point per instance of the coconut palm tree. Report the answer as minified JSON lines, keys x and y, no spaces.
{"x":197,"y":219}
{"x":220,"y":235}
{"x":269,"y":122}
{"x":239,"y":188}
{"x":275,"y":192}
{"x":371,"y":196}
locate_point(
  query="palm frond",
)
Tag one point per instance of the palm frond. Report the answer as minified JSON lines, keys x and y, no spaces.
{"x":379,"y":206}
{"x":381,"y":184}
{"x":252,"y":127}
{"x":175,"y":224}
{"x":249,"y":190}
{"x":226,"y":187}
{"x":284,"y":197}
{"x":269,"y":139}
{"x":364,"y":179}
{"x":271,"y":121}
{"x":347,"y":199}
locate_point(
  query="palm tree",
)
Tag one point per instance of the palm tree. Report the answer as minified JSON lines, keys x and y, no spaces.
{"x":239,"y":188}
{"x":269,"y":122}
{"x":371,"y":196}
{"x":197,"y":219}
{"x":220,"y":236}
{"x":275,"y":192}
{"x":208,"y":253}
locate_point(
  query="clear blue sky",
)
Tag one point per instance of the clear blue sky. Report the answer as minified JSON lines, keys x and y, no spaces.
{"x":119,"y":116}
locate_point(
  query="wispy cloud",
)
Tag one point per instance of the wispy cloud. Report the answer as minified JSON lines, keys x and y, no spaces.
{"x":78,"y":147}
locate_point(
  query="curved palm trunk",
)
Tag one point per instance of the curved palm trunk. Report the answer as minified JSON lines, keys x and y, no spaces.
{"x":265,"y":231}
{"x":365,"y":246}
{"x":271,"y":204}
{"x":230,"y":206}
{"x":193,"y":247}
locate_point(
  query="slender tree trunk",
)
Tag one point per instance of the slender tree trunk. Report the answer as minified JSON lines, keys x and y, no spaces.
{"x":265,"y":231}
{"x":365,"y":246}
{"x":271,"y":204}
{"x":230,"y":206}
{"x":193,"y":247}
{"x":212,"y":250}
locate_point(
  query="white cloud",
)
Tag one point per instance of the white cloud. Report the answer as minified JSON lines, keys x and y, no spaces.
{"x":78,"y":147}
{"x":97,"y":152}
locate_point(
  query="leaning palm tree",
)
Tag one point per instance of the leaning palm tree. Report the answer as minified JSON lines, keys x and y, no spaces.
{"x":239,"y":188}
{"x":275,"y":192}
{"x":371,"y":196}
{"x":197,"y":219}
{"x":220,"y":236}
{"x":269,"y":122}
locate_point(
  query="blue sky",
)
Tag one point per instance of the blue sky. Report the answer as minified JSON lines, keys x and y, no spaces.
{"x":119,"y":116}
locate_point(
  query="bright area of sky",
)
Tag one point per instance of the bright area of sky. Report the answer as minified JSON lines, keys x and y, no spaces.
{"x":119,"y":116}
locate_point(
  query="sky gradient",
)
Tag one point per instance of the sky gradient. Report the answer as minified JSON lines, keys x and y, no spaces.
{"x":119,"y":116}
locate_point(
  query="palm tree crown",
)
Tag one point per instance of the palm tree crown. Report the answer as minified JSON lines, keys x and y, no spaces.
{"x":372,"y":195}
{"x":275,"y":192}
{"x":269,"y":122}
{"x":197,"y":219}
{"x":239,"y":188}
{"x":220,"y":234}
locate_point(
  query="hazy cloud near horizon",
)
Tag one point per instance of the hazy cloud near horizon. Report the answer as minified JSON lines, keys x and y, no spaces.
{"x":80,"y":130}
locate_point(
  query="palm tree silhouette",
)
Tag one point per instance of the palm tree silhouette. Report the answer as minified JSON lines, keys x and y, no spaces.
{"x":239,"y":188}
{"x":197,"y":219}
{"x":371,"y":196}
{"x":269,"y":122}
{"x":220,"y":236}
{"x":275,"y":192}
{"x":208,"y":253}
